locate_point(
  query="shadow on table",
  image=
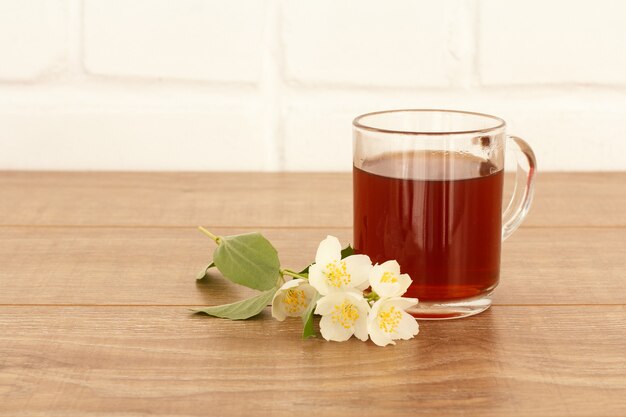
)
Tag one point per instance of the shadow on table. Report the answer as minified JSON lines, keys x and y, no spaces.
{"x":215,"y":290}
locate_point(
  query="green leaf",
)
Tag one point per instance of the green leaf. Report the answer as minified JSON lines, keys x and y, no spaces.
{"x":241,"y":310}
{"x":347,"y":251}
{"x":307,"y":319}
{"x":249,"y":260}
{"x":205,"y":271}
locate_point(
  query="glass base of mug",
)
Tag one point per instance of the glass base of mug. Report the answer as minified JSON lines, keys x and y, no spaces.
{"x":453,"y":309}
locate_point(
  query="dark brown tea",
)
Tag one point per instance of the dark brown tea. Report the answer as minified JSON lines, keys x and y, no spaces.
{"x":438,"y":214}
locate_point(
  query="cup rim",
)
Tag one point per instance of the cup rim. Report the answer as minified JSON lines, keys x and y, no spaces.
{"x":357,"y":122}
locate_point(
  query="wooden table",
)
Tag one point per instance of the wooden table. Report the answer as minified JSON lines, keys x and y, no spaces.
{"x":97,"y":271}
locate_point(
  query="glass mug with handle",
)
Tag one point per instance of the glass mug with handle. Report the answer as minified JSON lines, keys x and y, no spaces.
{"x":428,"y":189}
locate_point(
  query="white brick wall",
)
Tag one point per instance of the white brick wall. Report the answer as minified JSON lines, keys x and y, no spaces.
{"x":552,"y":42}
{"x":212,"y":137}
{"x":274,"y":84}
{"x":32,"y":39}
{"x":365,"y":41}
{"x":190,"y":40}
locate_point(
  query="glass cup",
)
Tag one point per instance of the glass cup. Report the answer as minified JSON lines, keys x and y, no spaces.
{"x":428,"y":188}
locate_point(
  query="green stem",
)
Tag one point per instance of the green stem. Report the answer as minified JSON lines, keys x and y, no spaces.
{"x":372,"y":296}
{"x":292,"y":274}
{"x":281,"y":279}
{"x":216,"y":239}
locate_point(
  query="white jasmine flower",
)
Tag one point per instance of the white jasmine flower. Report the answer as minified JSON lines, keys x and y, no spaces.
{"x":330,"y":273}
{"x":343,"y":314}
{"x":388,"y":321}
{"x":386,"y":280}
{"x":292,"y":299}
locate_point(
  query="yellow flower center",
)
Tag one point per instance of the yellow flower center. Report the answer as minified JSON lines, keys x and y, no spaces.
{"x":295,"y":300}
{"x":337,"y":274}
{"x":388,"y":278}
{"x":389,"y":319}
{"x":345,"y":314}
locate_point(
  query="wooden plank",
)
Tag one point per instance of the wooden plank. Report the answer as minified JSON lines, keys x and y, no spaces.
{"x":225,"y":199}
{"x":260,"y":199}
{"x":513,"y":361}
{"x":157,"y":266}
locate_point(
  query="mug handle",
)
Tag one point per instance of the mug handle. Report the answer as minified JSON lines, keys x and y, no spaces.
{"x":524,"y":189}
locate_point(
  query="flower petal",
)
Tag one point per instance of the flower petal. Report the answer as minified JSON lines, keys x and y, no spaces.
{"x":403,"y":302}
{"x":356,"y":297}
{"x":332,"y":328}
{"x":318,"y":280}
{"x":408,"y":327}
{"x":405,"y":282}
{"x":378,"y":336}
{"x":375,"y":275}
{"x":278,"y":312}
{"x":326,"y":304}
{"x":387,"y":281}
{"x":358,"y":266}
{"x":328,"y":251}
{"x":293,"y":283}
{"x":360,"y":327}
{"x":375,"y":309}
{"x":309,"y":291}
{"x":391,"y":266}
{"x":279,"y":309}
{"x":334,"y":331}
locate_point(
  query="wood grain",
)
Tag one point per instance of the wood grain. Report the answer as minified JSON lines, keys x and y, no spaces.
{"x":97,"y":274}
{"x":514,"y":361}
{"x":260,"y":200}
{"x":157,"y":266}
